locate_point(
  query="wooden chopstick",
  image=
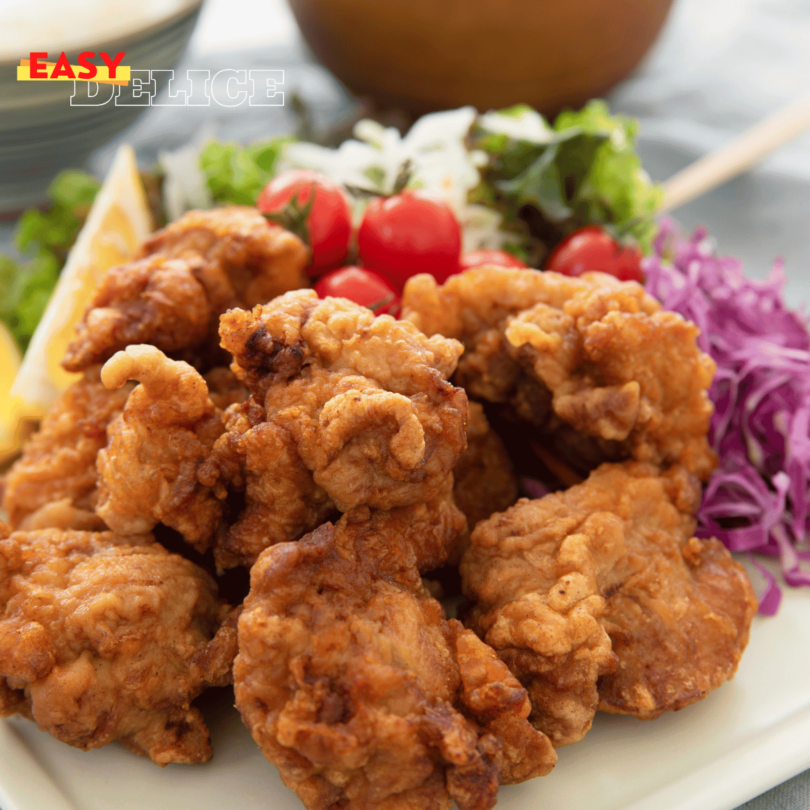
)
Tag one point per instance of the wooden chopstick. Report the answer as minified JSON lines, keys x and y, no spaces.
{"x":735,"y":157}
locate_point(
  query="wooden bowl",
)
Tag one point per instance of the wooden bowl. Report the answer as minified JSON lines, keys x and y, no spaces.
{"x":427,"y":55}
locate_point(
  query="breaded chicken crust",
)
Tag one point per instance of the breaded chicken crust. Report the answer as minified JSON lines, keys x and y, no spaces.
{"x":599,"y":596}
{"x":347,"y":410}
{"x":187,"y":275}
{"x":54,"y":483}
{"x":249,"y":259}
{"x":358,"y":690}
{"x":148,"y":469}
{"x":484,"y":480}
{"x":591,"y":354}
{"x":109,"y":637}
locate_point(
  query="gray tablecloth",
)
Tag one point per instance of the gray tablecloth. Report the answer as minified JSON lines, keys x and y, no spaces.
{"x":719,"y":67}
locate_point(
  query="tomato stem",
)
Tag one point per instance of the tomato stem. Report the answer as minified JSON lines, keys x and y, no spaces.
{"x":403,"y":177}
{"x":294,"y":217}
{"x":401,"y":181}
{"x":381,"y":303}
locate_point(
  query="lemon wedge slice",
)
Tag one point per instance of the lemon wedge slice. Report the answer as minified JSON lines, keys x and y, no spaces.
{"x":118,"y":223}
{"x":10,"y":360}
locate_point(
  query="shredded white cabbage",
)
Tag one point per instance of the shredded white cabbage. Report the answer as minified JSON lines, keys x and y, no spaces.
{"x":184,"y":185}
{"x":525,"y":125}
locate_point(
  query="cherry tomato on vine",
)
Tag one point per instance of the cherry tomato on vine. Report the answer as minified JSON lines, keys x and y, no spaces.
{"x":315,"y":208}
{"x":361,"y":285}
{"x":410,"y":233}
{"x":501,"y":258}
{"x":591,"y":248}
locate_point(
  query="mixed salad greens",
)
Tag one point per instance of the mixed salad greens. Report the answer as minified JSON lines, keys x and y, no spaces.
{"x":512,"y":179}
{"x":550,"y":181}
{"x":44,"y":240}
{"x":520,"y":184}
{"x":236,"y":174}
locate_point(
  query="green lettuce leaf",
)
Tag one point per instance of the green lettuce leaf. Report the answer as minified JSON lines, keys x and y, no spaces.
{"x":236,"y":174}
{"x":583,"y":170}
{"x":552,"y":182}
{"x":617,"y":191}
{"x":44,"y":239}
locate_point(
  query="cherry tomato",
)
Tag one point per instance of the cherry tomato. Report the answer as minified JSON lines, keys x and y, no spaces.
{"x":410,"y":233}
{"x":329,"y":221}
{"x":501,"y":258}
{"x":361,"y":285}
{"x":592,"y":248}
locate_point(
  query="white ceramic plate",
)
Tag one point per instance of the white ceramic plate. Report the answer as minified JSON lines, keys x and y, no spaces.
{"x":743,"y":739}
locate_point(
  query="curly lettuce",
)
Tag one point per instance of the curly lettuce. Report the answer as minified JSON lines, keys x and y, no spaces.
{"x":43,"y":239}
{"x":236,"y":174}
{"x":582,"y":170}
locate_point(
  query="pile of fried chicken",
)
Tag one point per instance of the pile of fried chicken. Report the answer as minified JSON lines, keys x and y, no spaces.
{"x":227,"y":418}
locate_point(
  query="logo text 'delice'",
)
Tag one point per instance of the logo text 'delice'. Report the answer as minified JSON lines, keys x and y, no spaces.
{"x":228,"y":88}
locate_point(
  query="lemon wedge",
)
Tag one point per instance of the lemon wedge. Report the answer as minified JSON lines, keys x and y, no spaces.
{"x":10,"y":360}
{"x":118,"y":222}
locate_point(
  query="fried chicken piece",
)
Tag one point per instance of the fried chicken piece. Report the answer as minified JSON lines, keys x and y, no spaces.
{"x":155,"y":300}
{"x":148,"y":470}
{"x":225,"y":388}
{"x":597,"y":596}
{"x":347,"y":410}
{"x":484,"y":481}
{"x":249,"y":259}
{"x":533,"y":573}
{"x":357,"y":689}
{"x":679,"y":627}
{"x":281,"y":501}
{"x":591,"y":353}
{"x":54,"y":483}
{"x":187,"y":276}
{"x":679,"y":608}
{"x":108,"y":637}
{"x":365,"y":398}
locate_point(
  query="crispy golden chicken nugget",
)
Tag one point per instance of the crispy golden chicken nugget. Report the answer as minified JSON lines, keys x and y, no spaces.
{"x":347,"y":410}
{"x":187,"y":275}
{"x":148,"y":469}
{"x":358,"y":690}
{"x":599,"y":596}
{"x":54,"y":484}
{"x":109,"y":637}
{"x":591,"y":356}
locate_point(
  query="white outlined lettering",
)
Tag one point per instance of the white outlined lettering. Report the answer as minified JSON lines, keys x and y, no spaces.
{"x":221,"y":87}
{"x":200,"y":82}
{"x":172,"y":97}
{"x":140,"y":91}
{"x":228,"y":88}
{"x":97,"y":95}
{"x":265,"y":88}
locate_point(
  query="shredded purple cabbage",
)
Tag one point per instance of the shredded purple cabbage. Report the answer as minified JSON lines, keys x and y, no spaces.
{"x":758,"y":500}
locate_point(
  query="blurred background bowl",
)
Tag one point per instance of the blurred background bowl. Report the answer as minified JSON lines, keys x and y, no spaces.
{"x":41,"y":133}
{"x":434,"y":54}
